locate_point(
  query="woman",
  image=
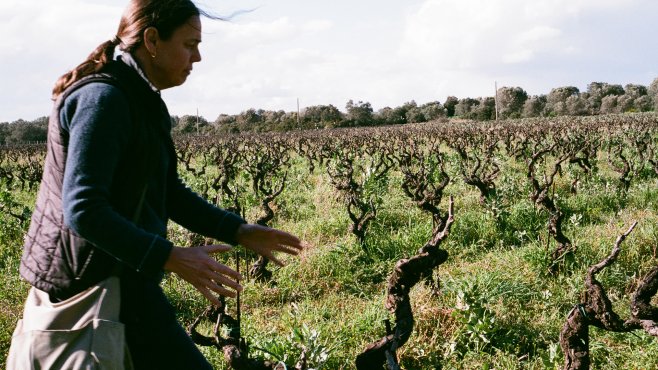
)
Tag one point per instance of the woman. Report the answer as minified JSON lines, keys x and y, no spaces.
{"x":110,"y":186}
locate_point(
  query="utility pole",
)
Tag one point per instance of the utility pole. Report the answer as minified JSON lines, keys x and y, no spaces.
{"x":197,"y":121}
{"x":496,"y":98}
{"x":299,"y":124}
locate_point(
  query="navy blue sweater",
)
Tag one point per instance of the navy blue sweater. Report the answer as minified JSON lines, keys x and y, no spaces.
{"x":98,"y":119}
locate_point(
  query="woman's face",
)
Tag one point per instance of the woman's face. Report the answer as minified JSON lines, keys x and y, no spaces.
{"x":174,"y":57}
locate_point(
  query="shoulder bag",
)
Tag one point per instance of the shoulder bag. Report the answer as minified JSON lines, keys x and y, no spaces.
{"x":81,"y":332}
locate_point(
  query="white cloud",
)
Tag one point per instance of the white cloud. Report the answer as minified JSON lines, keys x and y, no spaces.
{"x":525,"y":46}
{"x":48,"y":27}
{"x":419,"y":49}
{"x":42,"y":40}
{"x":282,"y":29}
{"x":317,"y":25}
{"x":538,"y":34}
{"x":536,"y":44}
{"x":255,"y":32}
{"x":481,"y":33}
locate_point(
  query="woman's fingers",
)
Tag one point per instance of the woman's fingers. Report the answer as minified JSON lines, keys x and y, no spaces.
{"x":221,"y":290}
{"x":198,"y":267}
{"x":216,"y":248}
{"x":283,"y":242}
{"x":217,"y":284}
{"x":208,"y":294}
{"x":289,"y":240}
{"x":224,"y":270}
{"x":223,"y":280}
{"x":288,"y":249}
{"x":276,"y":261}
{"x":216,"y":266}
{"x":212,"y":289}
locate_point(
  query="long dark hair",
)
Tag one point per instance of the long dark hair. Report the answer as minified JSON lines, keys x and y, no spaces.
{"x":165,"y":15}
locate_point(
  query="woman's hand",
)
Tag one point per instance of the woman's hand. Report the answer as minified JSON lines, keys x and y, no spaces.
{"x":265,"y":241}
{"x":196,"y":266}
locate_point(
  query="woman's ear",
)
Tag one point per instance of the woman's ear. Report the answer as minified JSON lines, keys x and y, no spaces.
{"x":151,"y":38}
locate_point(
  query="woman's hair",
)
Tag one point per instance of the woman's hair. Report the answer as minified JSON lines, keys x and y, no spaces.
{"x":165,"y":15}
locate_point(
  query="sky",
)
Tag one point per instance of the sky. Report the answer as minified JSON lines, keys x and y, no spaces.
{"x":383,"y":52}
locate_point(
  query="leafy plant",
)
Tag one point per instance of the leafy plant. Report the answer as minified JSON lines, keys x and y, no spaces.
{"x":301,"y":342}
{"x":477,"y":322}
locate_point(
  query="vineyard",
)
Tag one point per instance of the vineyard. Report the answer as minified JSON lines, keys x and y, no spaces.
{"x":518,"y":244}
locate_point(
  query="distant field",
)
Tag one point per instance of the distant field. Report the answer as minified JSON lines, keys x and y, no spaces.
{"x":537,"y":202}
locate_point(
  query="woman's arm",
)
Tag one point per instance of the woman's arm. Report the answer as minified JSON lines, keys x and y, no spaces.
{"x":97,"y":118}
{"x":196,"y":214}
{"x":99,"y":123}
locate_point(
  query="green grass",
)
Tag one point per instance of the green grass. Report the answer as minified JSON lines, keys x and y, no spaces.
{"x":14,"y":289}
{"x":331,"y":298}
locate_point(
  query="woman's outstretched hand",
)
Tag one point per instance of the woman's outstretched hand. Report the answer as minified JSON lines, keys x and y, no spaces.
{"x":197,"y":267}
{"x":265,"y":241}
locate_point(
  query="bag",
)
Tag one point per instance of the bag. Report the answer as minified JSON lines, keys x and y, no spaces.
{"x":81,"y":332}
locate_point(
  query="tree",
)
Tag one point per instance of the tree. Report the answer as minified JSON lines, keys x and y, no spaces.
{"x":321,"y":115}
{"x":399,"y":115}
{"x":630,"y":100}
{"x":510,"y":101}
{"x":613,"y":89}
{"x":609,"y":104}
{"x":450,"y":104}
{"x":226,"y":123}
{"x":432,"y":110}
{"x":534,"y":106}
{"x":557,"y":98}
{"x":625,"y":103}
{"x":188,"y":124}
{"x":4,"y":132}
{"x":415,"y":115}
{"x":390,"y":116}
{"x":21,"y":131}
{"x":486,"y":110}
{"x":249,"y":117}
{"x":359,"y":114}
{"x":653,"y":87}
{"x":465,"y":106}
{"x":643,"y":103}
{"x":652,"y":91}
{"x":577,"y":105}
{"x":281,"y":121}
{"x":598,"y":90}
{"x":272,"y":117}
{"x":635,"y":91}
{"x":225,"y":119}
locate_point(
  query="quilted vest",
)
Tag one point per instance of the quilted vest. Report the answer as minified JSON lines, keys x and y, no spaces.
{"x":55,"y":259}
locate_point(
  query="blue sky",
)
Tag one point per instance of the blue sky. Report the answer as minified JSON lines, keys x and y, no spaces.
{"x":383,"y":52}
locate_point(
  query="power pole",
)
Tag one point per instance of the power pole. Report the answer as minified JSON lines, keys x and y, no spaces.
{"x":299,"y":124}
{"x":197,"y":121}
{"x":496,"y":98}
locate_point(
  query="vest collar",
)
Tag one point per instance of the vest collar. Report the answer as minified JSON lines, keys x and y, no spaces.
{"x":129,"y":60}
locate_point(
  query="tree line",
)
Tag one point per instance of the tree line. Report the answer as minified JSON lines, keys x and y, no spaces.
{"x":509,"y":102}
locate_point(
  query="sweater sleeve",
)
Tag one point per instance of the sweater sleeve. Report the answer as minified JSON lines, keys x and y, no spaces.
{"x":195,"y":214}
{"x":97,"y":117}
